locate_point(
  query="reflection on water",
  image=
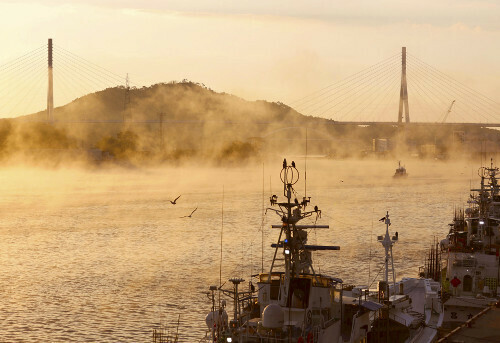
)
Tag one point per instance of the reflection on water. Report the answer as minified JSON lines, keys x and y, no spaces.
{"x":103,"y":256}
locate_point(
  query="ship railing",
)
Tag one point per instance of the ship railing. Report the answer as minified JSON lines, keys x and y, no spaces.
{"x":456,"y":248}
{"x":317,"y":280}
{"x":330,"y":321}
{"x":264,"y":277}
{"x":163,"y":336}
{"x":312,"y":226}
{"x":316,"y":333}
{"x":397,"y":318}
{"x":269,"y":336}
{"x":466,"y":262}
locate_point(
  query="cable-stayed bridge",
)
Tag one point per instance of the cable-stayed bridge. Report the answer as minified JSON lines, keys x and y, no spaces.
{"x":400,"y":90}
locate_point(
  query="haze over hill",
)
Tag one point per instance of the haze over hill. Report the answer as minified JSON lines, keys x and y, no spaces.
{"x":179,"y":121}
{"x":164,"y":121}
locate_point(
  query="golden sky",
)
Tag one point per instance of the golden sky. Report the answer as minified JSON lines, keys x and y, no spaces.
{"x":272,"y":50}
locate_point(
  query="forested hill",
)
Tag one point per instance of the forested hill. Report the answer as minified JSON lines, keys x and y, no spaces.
{"x":178,"y":101}
{"x":163,"y":121}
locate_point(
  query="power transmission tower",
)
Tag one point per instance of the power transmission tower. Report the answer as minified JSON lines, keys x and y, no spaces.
{"x":126,"y":102}
{"x":162,"y":141}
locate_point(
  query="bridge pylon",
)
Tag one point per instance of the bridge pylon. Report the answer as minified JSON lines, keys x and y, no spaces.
{"x":50,"y":92}
{"x":403,"y":94}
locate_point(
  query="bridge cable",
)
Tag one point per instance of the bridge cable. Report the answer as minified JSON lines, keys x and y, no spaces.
{"x":383,"y":82}
{"x":416,"y":77}
{"x":477,"y":99}
{"x":351,"y":90}
{"x":360,"y":79}
{"x":438,"y":85}
{"x":473,"y":101}
{"x":96,"y":66}
{"x":348,"y":78}
{"x":440,"y":88}
{"x":94,"y":71}
{"x":471,"y":90}
{"x":23,"y":57}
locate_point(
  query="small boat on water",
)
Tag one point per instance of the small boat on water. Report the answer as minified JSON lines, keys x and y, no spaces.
{"x":400,"y":171}
{"x":292,"y":302}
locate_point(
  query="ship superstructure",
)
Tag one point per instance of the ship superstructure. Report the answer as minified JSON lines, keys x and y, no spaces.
{"x":292,"y":302}
{"x":470,"y":253}
{"x":410,"y":309}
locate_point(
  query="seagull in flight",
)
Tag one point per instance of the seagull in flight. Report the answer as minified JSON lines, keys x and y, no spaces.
{"x":190,"y":214}
{"x":174,"y":202}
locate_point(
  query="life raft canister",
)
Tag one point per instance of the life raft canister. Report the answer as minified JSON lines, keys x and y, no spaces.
{"x":309,"y":317}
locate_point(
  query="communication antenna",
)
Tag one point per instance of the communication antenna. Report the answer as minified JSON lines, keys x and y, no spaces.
{"x":162,"y":140}
{"x":262,"y":223}
{"x":305,"y":170}
{"x":221,"y":235}
{"x":251,"y":258}
{"x":370,"y":258}
{"x":387,"y":242}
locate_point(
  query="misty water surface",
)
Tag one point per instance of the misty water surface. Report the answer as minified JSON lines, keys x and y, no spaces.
{"x":102,"y":255}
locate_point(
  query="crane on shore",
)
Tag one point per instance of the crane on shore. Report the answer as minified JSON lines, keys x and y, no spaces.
{"x":448,"y":112}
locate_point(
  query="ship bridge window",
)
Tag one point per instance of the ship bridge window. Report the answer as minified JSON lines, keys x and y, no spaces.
{"x":275,"y":289}
{"x":474,"y":225}
{"x":299,"y":293}
{"x":467,"y":287}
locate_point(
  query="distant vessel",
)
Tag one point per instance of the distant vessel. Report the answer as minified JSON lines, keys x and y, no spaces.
{"x":292,"y":302}
{"x":400,"y":171}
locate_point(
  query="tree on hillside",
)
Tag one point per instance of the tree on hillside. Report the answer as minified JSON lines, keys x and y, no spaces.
{"x":237,"y":151}
{"x":5,"y":133}
{"x":123,"y":146}
{"x":43,"y":136}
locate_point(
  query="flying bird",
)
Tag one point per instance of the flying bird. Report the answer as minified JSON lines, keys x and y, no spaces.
{"x":190,"y":214}
{"x":174,"y":202}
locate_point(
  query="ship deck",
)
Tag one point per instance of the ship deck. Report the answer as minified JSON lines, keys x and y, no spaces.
{"x":484,"y":327}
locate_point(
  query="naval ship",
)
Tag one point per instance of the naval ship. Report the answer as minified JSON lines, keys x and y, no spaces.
{"x":468,"y":266}
{"x":291,"y":302}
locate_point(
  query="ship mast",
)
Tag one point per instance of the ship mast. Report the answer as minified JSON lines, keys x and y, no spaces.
{"x":296,"y":254}
{"x":387,"y":242}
